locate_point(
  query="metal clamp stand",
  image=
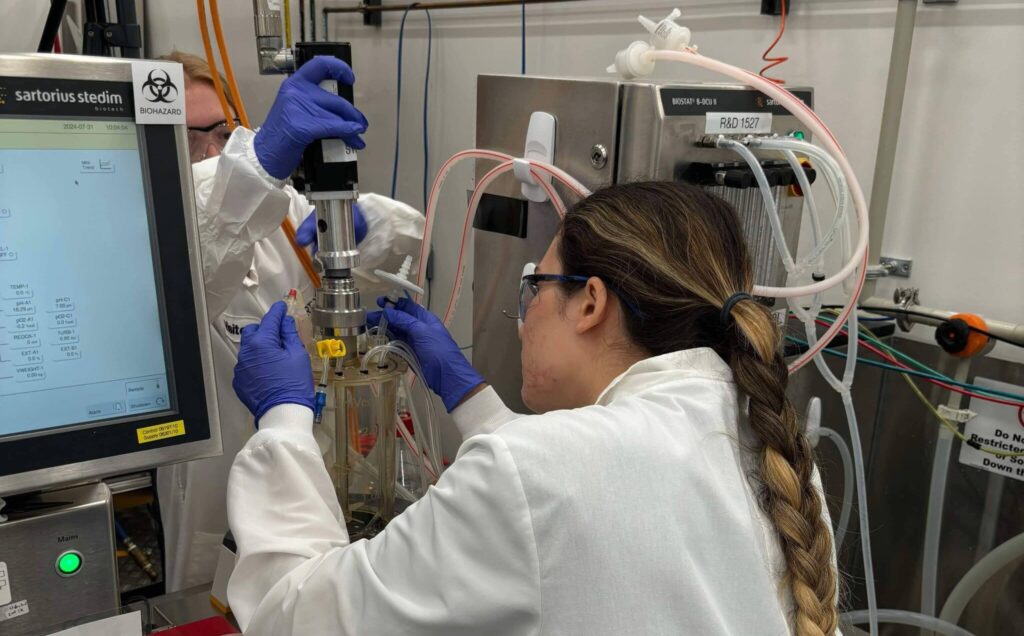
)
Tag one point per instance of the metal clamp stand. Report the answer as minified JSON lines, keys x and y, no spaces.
{"x":102,"y":36}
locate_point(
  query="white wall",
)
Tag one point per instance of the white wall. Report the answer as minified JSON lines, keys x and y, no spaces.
{"x":957,"y":194}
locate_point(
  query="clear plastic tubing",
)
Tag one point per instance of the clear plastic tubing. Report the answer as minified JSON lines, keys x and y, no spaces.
{"x":936,"y":503}
{"x":862,"y":498}
{"x":810,"y":119}
{"x":844,"y":454}
{"x":833,"y":174}
{"x":474,"y":202}
{"x":913,"y":619}
{"x":435,"y":192}
{"x":1011,"y":550}
{"x":812,"y":207}
{"x":431,"y":434}
{"x":766,"y":195}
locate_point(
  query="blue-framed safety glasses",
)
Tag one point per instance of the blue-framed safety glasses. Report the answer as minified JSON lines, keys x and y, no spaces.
{"x":529,"y":287}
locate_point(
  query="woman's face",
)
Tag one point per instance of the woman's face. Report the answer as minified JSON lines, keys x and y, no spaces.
{"x":550,"y":354}
{"x":203,"y":110}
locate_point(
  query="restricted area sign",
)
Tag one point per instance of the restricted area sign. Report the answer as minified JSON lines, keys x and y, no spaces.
{"x":995,"y":426}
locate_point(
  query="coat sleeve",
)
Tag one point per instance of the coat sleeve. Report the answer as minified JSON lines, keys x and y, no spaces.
{"x":394,"y":230}
{"x":482,"y":413}
{"x":237,"y":204}
{"x":462,"y":560}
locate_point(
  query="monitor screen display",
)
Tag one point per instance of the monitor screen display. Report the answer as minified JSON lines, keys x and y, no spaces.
{"x":81,"y":329}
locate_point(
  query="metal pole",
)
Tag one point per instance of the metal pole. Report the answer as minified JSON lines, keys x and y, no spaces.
{"x":933,"y":317}
{"x":888,"y":136}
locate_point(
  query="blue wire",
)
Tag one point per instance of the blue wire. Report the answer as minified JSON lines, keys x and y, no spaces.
{"x":889,"y":367}
{"x":398,"y":102}
{"x":119,"y":529}
{"x":426,"y":117}
{"x":522,"y":69}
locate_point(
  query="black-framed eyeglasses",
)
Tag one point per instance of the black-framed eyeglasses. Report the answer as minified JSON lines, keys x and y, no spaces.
{"x":200,"y":138}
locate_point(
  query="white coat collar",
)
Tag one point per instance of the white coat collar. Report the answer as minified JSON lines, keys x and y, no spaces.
{"x":649,"y":372}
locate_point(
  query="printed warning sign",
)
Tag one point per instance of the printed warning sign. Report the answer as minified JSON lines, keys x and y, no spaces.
{"x":996,"y":426}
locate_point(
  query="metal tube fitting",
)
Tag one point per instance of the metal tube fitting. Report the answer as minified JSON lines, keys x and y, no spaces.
{"x":336,"y":235}
{"x":338,"y":309}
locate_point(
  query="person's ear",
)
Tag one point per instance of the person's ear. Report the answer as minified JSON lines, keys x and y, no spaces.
{"x":595,"y":305}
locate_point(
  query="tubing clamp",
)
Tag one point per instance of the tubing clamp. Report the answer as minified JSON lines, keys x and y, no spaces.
{"x":961,"y":416}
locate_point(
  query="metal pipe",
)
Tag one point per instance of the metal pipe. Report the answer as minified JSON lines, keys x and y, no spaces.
{"x":466,"y":4}
{"x":933,"y":317}
{"x":336,"y":234}
{"x":889,"y":132}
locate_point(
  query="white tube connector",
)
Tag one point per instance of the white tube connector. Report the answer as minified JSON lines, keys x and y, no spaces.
{"x":634,"y":61}
{"x":400,"y":280}
{"x":666,"y":35}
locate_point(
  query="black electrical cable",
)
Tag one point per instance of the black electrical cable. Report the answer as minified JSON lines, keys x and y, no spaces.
{"x":888,"y":310}
{"x":522,"y":66}
{"x":921,"y":314}
{"x":398,"y":100}
{"x":312,"y":19}
{"x":426,"y":110}
{"x":52,"y":25}
{"x":426,"y":105}
{"x":995,"y":337}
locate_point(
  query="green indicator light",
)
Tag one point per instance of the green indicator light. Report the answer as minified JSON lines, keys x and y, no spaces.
{"x":799,"y":134}
{"x":69,"y":563}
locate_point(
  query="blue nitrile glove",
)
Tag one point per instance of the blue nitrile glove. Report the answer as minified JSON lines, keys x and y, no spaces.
{"x":273,"y":367}
{"x":445,"y":370}
{"x":306,"y":233}
{"x":303,"y":112}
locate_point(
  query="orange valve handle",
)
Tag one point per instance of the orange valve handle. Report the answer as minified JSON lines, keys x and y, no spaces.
{"x":959,"y":335}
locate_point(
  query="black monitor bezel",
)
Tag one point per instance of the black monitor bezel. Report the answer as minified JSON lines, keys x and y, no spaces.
{"x":89,"y":441}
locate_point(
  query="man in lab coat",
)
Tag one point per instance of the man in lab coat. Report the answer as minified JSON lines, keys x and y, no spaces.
{"x":242,"y":198}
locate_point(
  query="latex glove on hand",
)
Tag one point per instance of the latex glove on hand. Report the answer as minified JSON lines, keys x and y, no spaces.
{"x":303,"y":112}
{"x":306,"y":233}
{"x":445,"y":370}
{"x":273,"y":367}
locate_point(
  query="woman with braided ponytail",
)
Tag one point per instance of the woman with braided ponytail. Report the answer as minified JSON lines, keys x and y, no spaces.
{"x":664,"y":488}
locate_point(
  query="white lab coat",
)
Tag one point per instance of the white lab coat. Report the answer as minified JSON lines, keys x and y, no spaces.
{"x":248,"y":264}
{"x":631,"y":516}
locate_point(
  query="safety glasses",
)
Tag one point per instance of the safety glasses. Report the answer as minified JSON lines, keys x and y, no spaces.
{"x":529,"y":287}
{"x":201,"y":139}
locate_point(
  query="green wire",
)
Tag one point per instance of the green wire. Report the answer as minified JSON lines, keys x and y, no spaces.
{"x":867,"y":335}
{"x":926,"y":371}
{"x":918,"y":374}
